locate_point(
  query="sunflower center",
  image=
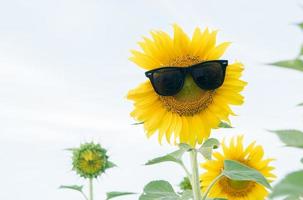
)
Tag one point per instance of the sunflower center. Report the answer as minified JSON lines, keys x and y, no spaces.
{"x":236,"y":188}
{"x":90,"y":162}
{"x":191,"y":99}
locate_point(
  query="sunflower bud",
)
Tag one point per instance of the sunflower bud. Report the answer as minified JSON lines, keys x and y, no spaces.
{"x":90,"y":160}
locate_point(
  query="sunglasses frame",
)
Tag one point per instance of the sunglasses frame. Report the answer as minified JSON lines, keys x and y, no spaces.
{"x":185,"y":71}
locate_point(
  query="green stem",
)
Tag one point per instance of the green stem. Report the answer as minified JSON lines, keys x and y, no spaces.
{"x":85,"y":197}
{"x":186,"y":170}
{"x":91,"y":189}
{"x":211,"y":185}
{"x":195,"y":175}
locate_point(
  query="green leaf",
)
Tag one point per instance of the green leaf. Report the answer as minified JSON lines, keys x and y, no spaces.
{"x":292,"y":197}
{"x":296,"y":64}
{"x":185,"y":147}
{"x":172,"y":157}
{"x":302,"y":160}
{"x":301,"y":25}
{"x":293,"y":138}
{"x":224,"y":125}
{"x":208,"y":146}
{"x":291,"y":186}
{"x":186,"y":195}
{"x":239,"y":172}
{"x":159,"y":190}
{"x":300,"y":104}
{"x":78,"y":188}
{"x":114,"y":194}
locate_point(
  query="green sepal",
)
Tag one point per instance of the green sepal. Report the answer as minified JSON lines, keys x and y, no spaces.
{"x":110,"y":164}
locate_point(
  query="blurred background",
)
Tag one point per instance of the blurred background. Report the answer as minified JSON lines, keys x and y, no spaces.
{"x":64,"y":74}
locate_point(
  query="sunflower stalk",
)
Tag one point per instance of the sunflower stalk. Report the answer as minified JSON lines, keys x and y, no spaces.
{"x":91,"y":189}
{"x":195,"y":175}
{"x":186,"y":171}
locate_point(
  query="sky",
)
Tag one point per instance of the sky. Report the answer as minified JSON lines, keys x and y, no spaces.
{"x":64,"y":75}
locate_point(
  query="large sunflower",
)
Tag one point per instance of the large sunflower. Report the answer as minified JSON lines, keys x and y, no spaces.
{"x":251,"y":156}
{"x":190,"y":115}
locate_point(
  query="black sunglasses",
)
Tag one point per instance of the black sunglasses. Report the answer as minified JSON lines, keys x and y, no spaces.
{"x":168,"y":81}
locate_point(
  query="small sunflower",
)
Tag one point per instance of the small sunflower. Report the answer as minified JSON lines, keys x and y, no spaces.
{"x":251,"y":156}
{"x":90,"y":160}
{"x":189,"y":115}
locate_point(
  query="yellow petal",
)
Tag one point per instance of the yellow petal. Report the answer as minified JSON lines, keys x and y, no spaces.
{"x":218,"y":51}
{"x":181,"y":41}
{"x":143,"y":60}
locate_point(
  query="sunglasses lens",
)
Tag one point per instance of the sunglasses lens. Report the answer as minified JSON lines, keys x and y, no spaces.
{"x":209,"y":75}
{"x":167,"y":82}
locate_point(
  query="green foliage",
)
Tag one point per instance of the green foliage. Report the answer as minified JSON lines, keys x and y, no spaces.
{"x":208,"y":146}
{"x":185,"y":184}
{"x":290,"y":187}
{"x":239,"y":172}
{"x":186,"y":195}
{"x":162,"y":190}
{"x":293,"y":138}
{"x":224,"y":125}
{"x":171,"y":157}
{"x":111,"y":195}
{"x":296,"y":64}
{"x":78,"y":188}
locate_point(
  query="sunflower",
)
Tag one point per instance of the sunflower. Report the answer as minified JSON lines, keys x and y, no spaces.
{"x":251,"y":156}
{"x":90,"y":160}
{"x":188,"y":116}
